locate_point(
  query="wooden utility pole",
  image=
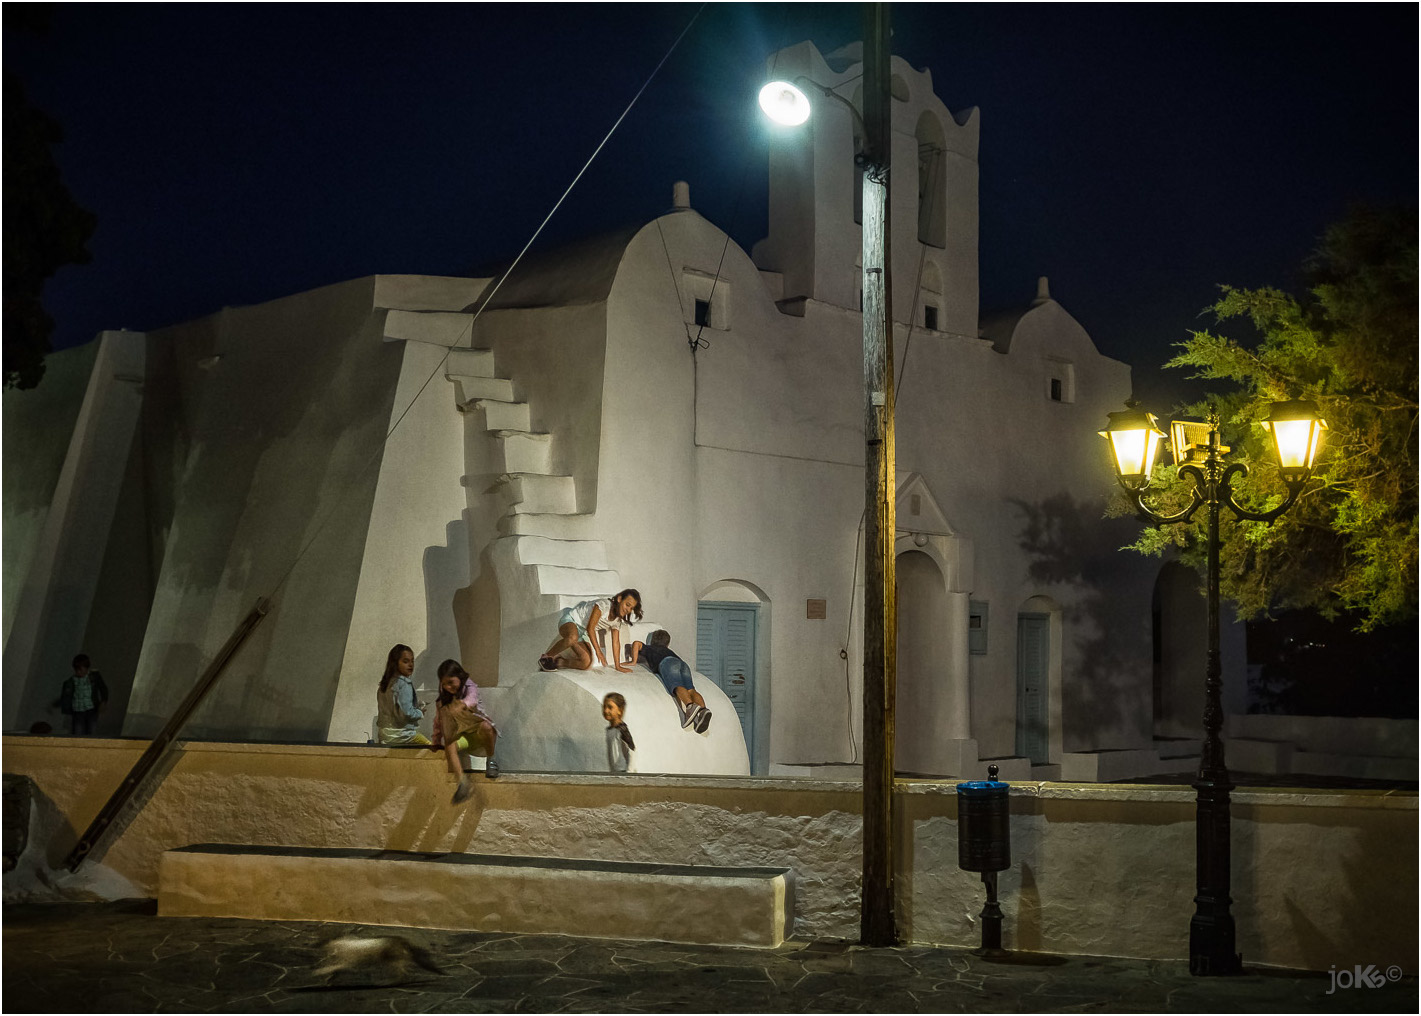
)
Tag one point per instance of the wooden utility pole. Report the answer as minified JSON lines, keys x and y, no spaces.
{"x":880,"y":635}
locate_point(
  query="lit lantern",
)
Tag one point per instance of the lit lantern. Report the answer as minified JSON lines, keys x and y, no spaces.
{"x":1187,"y":437}
{"x":784,"y":103}
{"x":1297,"y":437}
{"x":1134,"y":437}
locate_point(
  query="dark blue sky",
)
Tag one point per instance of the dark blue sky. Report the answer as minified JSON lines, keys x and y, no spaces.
{"x":1137,"y":155}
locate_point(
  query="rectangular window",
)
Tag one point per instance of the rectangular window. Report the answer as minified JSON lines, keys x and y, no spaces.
{"x":1060,"y":380}
{"x":930,"y":317}
{"x":706,"y":299}
{"x":977,"y":627}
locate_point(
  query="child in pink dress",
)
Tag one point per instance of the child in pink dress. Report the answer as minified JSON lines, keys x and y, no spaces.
{"x":461,"y":724}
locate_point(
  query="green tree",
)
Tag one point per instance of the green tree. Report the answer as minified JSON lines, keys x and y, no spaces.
{"x":1349,"y":544}
{"x":44,"y":229}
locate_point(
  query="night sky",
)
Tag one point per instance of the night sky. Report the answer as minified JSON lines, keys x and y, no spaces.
{"x":1136,"y":155}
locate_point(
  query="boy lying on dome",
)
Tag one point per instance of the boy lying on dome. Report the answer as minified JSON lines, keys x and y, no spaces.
{"x":656,"y":656}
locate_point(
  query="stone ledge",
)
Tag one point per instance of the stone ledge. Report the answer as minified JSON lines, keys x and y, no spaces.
{"x":497,"y":893}
{"x":1405,"y":800}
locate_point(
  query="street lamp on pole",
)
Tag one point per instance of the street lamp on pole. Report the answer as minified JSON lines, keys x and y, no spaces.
{"x":1135,"y":438}
{"x":786,"y":103}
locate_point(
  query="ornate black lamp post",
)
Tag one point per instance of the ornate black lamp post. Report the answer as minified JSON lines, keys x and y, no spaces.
{"x":1134,"y":438}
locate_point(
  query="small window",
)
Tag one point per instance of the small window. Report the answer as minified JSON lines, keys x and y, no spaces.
{"x":977,"y":627}
{"x":930,"y":317}
{"x":1060,"y":380}
{"x":707,"y":299}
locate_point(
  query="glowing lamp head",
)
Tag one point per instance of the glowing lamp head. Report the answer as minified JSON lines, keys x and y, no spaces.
{"x":1134,"y":437}
{"x":1189,"y":440}
{"x":1297,"y":437}
{"x":784,"y":103}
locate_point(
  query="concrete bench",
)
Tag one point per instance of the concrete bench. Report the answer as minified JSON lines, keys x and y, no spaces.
{"x":695,"y":904}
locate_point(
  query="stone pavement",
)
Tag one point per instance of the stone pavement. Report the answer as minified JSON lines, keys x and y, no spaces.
{"x":121,"y":957}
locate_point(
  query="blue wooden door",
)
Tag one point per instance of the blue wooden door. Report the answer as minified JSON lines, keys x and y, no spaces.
{"x":725,"y":653}
{"x":1033,"y":661}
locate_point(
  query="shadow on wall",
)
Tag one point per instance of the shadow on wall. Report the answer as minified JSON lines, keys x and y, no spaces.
{"x":1334,"y":923}
{"x":448,"y":601}
{"x":479,"y":614}
{"x":245,"y":508}
{"x":1106,"y":677}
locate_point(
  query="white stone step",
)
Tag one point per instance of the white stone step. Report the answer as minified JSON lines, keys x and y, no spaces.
{"x":470,"y":363}
{"x":519,"y":452}
{"x":428,"y":292}
{"x":497,"y":389}
{"x":583,"y":582}
{"x":489,"y":893}
{"x":535,"y":493}
{"x":440,"y":328}
{"x":553,"y":526}
{"x":589,"y":554}
{"x":501,"y":415}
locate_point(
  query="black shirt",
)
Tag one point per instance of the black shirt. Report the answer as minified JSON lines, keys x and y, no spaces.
{"x":653,"y":655}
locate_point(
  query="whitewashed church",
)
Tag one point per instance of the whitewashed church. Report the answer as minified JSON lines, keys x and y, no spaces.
{"x":657,"y":409}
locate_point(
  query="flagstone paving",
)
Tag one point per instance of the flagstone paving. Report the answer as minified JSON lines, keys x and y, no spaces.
{"x":121,"y":957}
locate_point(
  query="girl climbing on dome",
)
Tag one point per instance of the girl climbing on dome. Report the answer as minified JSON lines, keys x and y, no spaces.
{"x":580,"y":631}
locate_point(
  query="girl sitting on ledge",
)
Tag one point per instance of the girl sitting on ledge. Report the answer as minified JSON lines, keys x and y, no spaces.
{"x":461,"y":725}
{"x":398,"y":711}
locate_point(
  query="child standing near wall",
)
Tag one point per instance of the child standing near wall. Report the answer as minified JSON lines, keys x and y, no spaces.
{"x":580,"y":628}
{"x":460,"y":724}
{"x":656,"y":656}
{"x":82,"y":696}
{"x":619,"y":739}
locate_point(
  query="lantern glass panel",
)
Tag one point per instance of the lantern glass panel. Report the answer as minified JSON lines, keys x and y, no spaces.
{"x":1135,"y":450}
{"x":1296,"y":443}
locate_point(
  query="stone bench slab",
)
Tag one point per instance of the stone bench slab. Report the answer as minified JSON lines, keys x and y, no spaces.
{"x":693,"y":904}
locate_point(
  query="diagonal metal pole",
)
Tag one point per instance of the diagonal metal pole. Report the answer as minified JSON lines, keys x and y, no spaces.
{"x":160,"y":745}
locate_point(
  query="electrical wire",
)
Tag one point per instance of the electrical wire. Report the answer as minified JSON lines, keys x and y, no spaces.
{"x":483,"y":303}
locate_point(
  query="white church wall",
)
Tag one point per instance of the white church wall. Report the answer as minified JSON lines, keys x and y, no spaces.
{"x":61,"y":584}
{"x":555,"y":356}
{"x":814,"y":240}
{"x":279,"y":439}
{"x":414,"y":570}
{"x":38,"y":423}
{"x":647,"y":488}
{"x":788,"y":526}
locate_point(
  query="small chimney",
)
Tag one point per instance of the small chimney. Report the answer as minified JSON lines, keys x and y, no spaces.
{"x":1043,"y":292}
{"x":681,"y":196}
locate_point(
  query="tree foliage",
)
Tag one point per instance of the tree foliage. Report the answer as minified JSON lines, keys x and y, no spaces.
{"x":44,"y":229}
{"x":1349,"y":544}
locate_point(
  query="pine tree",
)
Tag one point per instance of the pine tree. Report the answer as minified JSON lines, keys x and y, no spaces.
{"x":1349,"y":544}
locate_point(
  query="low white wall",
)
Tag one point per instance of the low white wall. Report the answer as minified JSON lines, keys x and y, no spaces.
{"x":1320,"y":879}
{"x":1348,"y":735}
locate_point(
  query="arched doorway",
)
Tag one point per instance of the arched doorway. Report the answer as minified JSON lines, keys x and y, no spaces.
{"x":922,"y":665}
{"x":1179,"y":616}
{"x":732,"y":649}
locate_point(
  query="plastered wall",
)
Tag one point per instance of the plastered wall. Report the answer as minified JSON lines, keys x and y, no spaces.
{"x":1319,"y":878}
